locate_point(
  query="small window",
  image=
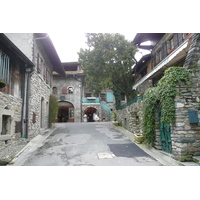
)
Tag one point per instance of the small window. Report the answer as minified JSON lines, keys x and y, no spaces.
{"x":88,"y":94}
{"x":55,"y":90}
{"x":103,"y":97}
{"x":70,"y":90}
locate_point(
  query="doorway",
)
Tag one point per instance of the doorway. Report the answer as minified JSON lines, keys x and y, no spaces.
{"x":66,"y":112}
{"x":89,"y":112}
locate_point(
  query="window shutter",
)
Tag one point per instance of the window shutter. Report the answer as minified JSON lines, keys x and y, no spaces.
{"x":64,"y":90}
{"x":180,"y":38}
{"x":175,"y":40}
{"x":109,"y":97}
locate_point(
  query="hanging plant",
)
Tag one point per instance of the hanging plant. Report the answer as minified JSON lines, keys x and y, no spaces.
{"x":162,"y":96}
{"x":2,"y":84}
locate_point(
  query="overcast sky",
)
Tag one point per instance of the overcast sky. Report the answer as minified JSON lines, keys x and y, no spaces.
{"x":68,"y":44}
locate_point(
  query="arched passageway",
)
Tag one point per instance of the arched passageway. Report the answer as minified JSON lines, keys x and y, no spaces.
{"x":65,"y":112}
{"x":89,"y":114}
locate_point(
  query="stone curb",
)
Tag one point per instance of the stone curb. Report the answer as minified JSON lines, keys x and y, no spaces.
{"x":36,"y":142}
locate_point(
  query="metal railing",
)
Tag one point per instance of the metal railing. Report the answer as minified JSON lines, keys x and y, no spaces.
{"x":134,"y":100}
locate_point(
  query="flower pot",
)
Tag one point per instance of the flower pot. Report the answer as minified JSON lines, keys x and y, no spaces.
{"x":2,"y":84}
{"x":139,"y":138}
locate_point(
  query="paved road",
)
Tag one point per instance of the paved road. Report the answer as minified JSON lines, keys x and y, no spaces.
{"x":86,"y":144}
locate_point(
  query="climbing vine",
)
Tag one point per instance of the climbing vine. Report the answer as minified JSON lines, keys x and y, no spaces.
{"x":162,"y":96}
{"x":53,"y":109}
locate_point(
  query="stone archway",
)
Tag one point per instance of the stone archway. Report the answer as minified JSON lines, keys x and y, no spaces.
{"x":65,"y":112}
{"x":89,"y":112}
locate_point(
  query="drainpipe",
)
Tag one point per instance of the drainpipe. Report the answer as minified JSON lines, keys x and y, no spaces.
{"x":81,"y":95}
{"x":28,"y":71}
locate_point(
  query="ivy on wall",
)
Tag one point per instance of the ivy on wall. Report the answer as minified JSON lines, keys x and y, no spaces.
{"x":53,"y":109}
{"x":162,"y":96}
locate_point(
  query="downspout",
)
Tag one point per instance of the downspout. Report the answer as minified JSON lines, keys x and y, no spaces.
{"x":28,"y":71}
{"x":81,"y":95}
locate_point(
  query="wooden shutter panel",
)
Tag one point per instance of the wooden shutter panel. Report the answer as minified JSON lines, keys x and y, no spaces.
{"x":180,"y":38}
{"x":175,"y":40}
{"x":109,"y":97}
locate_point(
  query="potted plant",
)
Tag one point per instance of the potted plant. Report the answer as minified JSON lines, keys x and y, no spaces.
{"x":138,"y":137}
{"x":2,"y":84}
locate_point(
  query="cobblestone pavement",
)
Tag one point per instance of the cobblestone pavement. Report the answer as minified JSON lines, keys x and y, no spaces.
{"x":10,"y":150}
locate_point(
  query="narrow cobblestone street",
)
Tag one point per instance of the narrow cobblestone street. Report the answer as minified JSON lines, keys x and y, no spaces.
{"x":86,"y":144}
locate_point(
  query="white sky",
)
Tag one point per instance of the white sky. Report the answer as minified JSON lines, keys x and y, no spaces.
{"x":68,"y":44}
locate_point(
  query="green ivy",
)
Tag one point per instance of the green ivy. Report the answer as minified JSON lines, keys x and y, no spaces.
{"x":53,"y":109}
{"x":162,"y":96}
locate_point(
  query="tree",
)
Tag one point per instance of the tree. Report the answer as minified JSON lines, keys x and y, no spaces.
{"x":108,"y":63}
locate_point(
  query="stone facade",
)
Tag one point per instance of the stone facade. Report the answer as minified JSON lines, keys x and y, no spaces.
{"x":36,"y":48}
{"x":72,"y":98}
{"x":185,"y":135}
{"x":13,"y":94}
{"x":131,"y":117}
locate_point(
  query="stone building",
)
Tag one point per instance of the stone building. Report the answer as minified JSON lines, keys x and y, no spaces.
{"x":39,"y":49}
{"x":15,"y":69}
{"x":166,"y":50}
{"x":77,"y":104}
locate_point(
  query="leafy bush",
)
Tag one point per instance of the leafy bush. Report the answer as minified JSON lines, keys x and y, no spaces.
{"x":53,"y":109}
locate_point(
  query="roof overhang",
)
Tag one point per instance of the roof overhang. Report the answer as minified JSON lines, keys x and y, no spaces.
{"x":9,"y":47}
{"x":167,"y":62}
{"x":51,"y":53}
{"x":143,"y":37}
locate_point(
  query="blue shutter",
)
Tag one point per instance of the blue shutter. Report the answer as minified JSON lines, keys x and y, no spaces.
{"x":109,"y":97}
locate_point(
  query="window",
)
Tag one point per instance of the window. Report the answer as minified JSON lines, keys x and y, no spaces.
{"x":88,"y":94}
{"x":70,"y":90}
{"x":177,"y":39}
{"x":4,"y":67}
{"x":164,"y":50}
{"x":103,"y":97}
{"x":64,"y":90}
{"x":171,"y":44}
{"x":55,"y":90}
{"x":40,"y":63}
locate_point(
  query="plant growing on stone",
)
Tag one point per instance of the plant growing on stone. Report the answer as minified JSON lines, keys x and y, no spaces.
{"x":108,"y":63}
{"x":162,"y":96}
{"x":53,"y":109}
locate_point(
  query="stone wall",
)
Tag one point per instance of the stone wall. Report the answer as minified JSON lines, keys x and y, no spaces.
{"x":39,"y":101}
{"x":131,"y":117}
{"x":185,"y":135}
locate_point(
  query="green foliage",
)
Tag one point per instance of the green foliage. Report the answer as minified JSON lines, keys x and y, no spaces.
{"x":53,"y":109}
{"x":114,"y":115}
{"x":162,"y":96}
{"x":108,"y":63}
